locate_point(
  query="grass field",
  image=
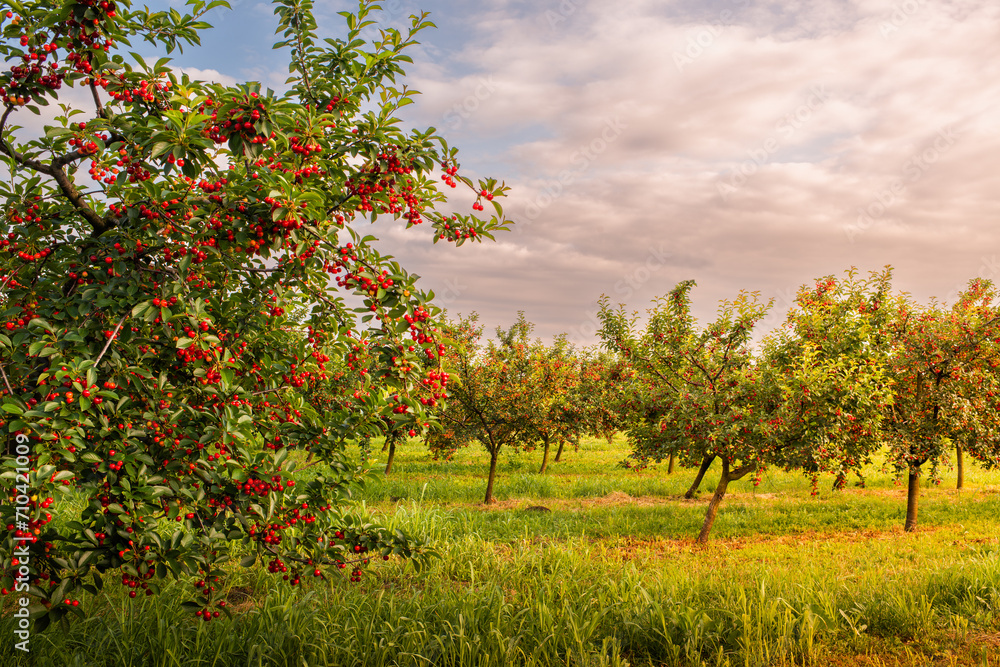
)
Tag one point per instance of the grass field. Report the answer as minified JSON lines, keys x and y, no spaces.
{"x":609,"y":576}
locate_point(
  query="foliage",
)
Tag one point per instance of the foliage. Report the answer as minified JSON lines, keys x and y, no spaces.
{"x":494,"y":391}
{"x":153,"y":252}
{"x":946,"y":387}
{"x":830,"y":363}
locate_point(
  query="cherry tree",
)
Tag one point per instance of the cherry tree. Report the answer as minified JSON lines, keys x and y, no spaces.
{"x":944,"y":372}
{"x":494,"y":390}
{"x":154,"y":246}
{"x":713,"y":396}
{"x":556,"y":414}
{"x":830,"y":362}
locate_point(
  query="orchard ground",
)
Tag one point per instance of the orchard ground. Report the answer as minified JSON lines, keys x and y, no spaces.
{"x":610,"y":575}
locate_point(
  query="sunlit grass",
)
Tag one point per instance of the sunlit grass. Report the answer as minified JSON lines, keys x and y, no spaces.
{"x":610,"y":575}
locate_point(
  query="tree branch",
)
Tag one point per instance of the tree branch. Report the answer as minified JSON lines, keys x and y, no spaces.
{"x":6,"y":381}
{"x":55,"y":171}
{"x":108,"y":344}
{"x":267,"y":391}
{"x":97,"y":100}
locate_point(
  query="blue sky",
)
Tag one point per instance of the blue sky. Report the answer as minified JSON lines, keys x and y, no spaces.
{"x":745,"y":144}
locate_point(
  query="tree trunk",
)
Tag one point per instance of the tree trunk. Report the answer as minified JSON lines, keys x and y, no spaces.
{"x":840,"y":482}
{"x":912,"y":495}
{"x":562,"y":443}
{"x":670,"y":465}
{"x":494,"y":455}
{"x":713,"y":506}
{"x":385,"y":445}
{"x":392,"y":454}
{"x":545,"y":456}
{"x":705,"y":464}
{"x":960,"y":455}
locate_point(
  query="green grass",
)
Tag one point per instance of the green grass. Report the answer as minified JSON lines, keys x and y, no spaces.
{"x":610,"y":576}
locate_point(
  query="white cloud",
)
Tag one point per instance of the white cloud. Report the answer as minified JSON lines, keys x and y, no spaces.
{"x":210,"y":75}
{"x":746,"y":100}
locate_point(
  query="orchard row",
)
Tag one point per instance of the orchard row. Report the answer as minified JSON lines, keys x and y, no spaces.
{"x":856,"y":370}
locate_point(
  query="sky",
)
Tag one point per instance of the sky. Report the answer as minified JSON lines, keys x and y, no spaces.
{"x":745,"y":144}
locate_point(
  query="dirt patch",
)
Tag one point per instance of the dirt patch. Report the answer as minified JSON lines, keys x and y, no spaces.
{"x":971,"y":651}
{"x":511,"y":504}
{"x":628,"y":548}
{"x":613,"y":498}
{"x":988,"y":640}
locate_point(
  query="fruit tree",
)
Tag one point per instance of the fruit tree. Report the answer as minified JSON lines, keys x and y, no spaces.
{"x":494,"y":392}
{"x":154,"y":245}
{"x":946,"y":387}
{"x":830,"y":362}
{"x":713,"y":397}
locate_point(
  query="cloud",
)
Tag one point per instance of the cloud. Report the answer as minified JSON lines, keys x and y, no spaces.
{"x":745,"y":99}
{"x":210,"y":75}
{"x":735,"y":142}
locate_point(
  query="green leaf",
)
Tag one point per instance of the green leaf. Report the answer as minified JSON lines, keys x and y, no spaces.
{"x":159,"y":148}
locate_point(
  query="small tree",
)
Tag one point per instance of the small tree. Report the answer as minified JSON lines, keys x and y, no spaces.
{"x":492,"y":393}
{"x":811,"y":399}
{"x":830,"y":365}
{"x":713,"y":393}
{"x":556,"y":413}
{"x":152,"y":249}
{"x":606,"y":393}
{"x":943,"y":367}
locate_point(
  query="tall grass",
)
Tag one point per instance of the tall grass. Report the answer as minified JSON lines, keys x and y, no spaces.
{"x":602,"y":579}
